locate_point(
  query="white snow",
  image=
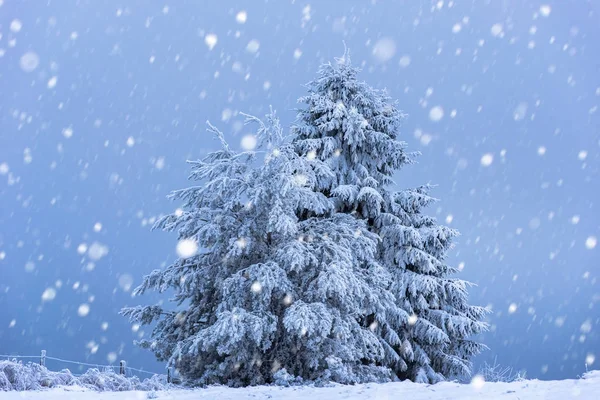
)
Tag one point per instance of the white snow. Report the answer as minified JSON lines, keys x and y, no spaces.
{"x":52,"y":82}
{"x":580,"y":389}
{"x":253,"y":46}
{"x":125,"y":282}
{"x":186,"y":248}
{"x":241,"y":17}
{"x":248,"y":142}
{"x":545,"y":10}
{"x":496,"y":29}
{"x":96,"y":251}
{"x":49,"y":294}
{"x":16,"y":25}
{"x":436,"y":113}
{"x":211,"y":40}
{"x":487,"y":159}
{"x":384,"y":49}
{"x":404,"y":61}
{"x":4,"y":168}
{"x":67,"y":132}
{"x":29,"y":61}
{"x":541,"y":150}
{"x":83,"y":310}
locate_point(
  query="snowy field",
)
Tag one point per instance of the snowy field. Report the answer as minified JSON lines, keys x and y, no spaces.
{"x":586,"y":388}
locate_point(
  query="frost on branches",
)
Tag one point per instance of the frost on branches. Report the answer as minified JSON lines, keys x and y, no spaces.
{"x":309,"y":267}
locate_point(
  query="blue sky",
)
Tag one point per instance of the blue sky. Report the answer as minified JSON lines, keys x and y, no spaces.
{"x":102,"y":103}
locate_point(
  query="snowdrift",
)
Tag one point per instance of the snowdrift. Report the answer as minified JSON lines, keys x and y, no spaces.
{"x":76,"y":388}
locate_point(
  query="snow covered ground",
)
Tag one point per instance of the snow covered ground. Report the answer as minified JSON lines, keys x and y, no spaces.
{"x":587,"y":388}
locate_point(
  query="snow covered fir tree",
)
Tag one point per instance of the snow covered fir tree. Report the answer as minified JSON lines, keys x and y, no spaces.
{"x":308,"y":266}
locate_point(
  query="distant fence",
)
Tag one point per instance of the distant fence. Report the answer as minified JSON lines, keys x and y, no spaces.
{"x":123,"y":368}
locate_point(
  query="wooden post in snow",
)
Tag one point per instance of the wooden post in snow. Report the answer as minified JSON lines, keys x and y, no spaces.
{"x":122,"y":368}
{"x":168,"y":374}
{"x":43,"y":358}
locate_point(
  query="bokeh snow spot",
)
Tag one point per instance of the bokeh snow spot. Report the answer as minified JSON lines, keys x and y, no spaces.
{"x":384,"y":49}
{"x":487,"y":159}
{"x":111,"y":357}
{"x":545,"y":10}
{"x":97,"y":250}
{"x":49,"y":294}
{"x":497,"y":30}
{"x":248,"y":142}
{"x":477,"y":382}
{"x":29,"y":61}
{"x":404,"y":61}
{"x":186,"y":248}
{"x":520,"y":111}
{"x":589,"y":359}
{"x":436,"y":113}
{"x":125,"y":282}
{"x":241,"y":17}
{"x":52,"y":82}
{"x":211,"y":40}
{"x":256,"y":287}
{"x":16,"y":25}
{"x":83,"y":310}
{"x":253,"y":46}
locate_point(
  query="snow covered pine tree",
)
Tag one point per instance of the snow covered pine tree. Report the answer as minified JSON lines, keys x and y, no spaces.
{"x":353,"y":128}
{"x":305,"y":267}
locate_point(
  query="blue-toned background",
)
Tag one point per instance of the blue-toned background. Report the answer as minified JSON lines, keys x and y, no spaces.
{"x":101,"y":103}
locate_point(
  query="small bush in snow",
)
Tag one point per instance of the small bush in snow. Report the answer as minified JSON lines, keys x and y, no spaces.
{"x":18,"y":376}
{"x":284,"y":378}
{"x":497,"y":373}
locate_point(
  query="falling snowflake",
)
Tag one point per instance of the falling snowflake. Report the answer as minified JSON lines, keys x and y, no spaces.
{"x":545,"y":10}
{"x":186,"y":248}
{"x":404,"y":61}
{"x":241,"y":17}
{"x":96,"y":251}
{"x":248,"y":142}
{"x":83,"y":310}
{"x":29,"y":61}
{"x":211,"y":40}
{"x":477,"y":382}
{"x":52,"y":82}
{"x":252,"y":46}
{"x":496,"y":30}
{"x":384,"y":49}
{"x":16,"y":25}
{"x":49,"y":294}
{"x":256,"y":287}
{"x":487,"y":159}
{"x":436,"y":113}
